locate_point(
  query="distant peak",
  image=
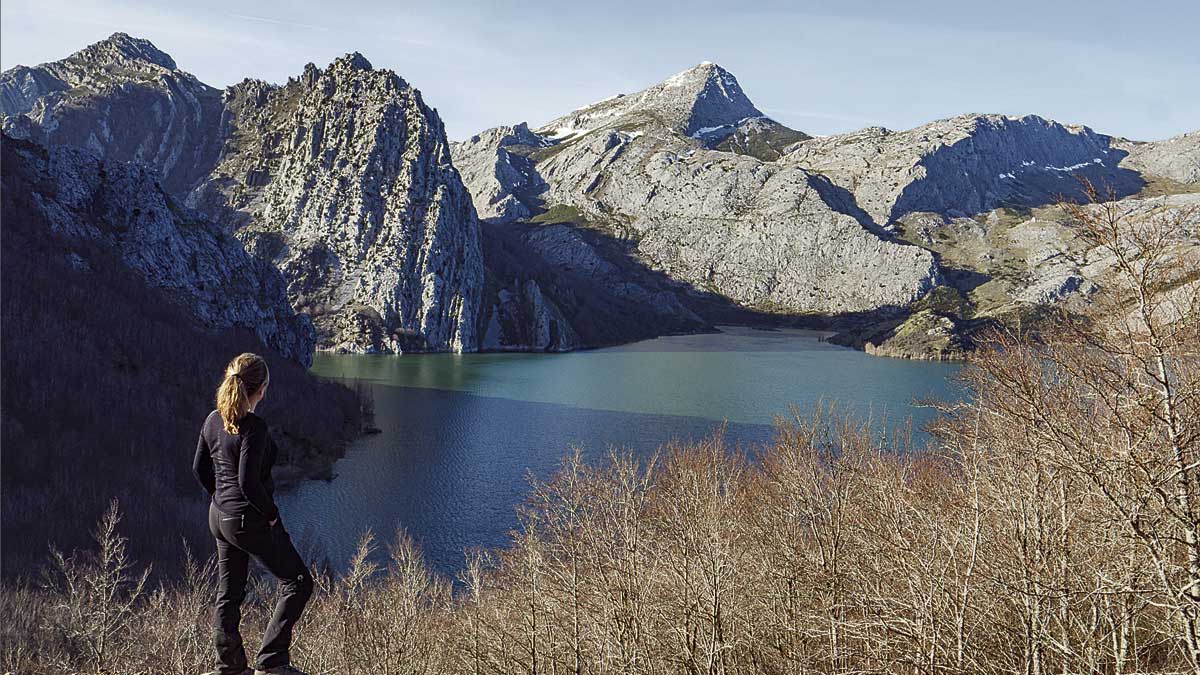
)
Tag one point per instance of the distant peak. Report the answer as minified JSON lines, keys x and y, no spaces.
{"x":701,"y":76}
{"x":704,"y":69}
{"x":703,"y":97}
{"x":354,"y":61}
{"x":123,"y":47}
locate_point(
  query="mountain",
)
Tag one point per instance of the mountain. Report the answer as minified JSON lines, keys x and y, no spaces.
{"x":341,"y":177}
{"x":120,"y":310}
{"x":705,"y":102}
{"x":965,"y":165}
{"x":123,"y":99}
{"x":769,"y":238}
{"x":695,"y":102}
{"x":662,"y":211}
{"x":876,"y":232}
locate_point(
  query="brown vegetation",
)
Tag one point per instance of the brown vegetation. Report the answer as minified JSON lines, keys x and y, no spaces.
{"x":1050,"y":528}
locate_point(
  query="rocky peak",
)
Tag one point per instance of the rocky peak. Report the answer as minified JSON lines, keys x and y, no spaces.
{"x":123,"y":99}
{"x":695,"y":101}
{"x":495,"y":166}
{"x":119,"y":58}
{"x":342,"y":178}
{"x":120,"y":48}
{"x":710,"y":93}
{"x":353,"y":75}
{"x":353,"y":61}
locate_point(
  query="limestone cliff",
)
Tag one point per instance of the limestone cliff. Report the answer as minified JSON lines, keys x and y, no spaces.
{"x":343,"y":178}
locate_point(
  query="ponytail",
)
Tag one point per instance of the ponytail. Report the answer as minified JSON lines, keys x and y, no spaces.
{"x":245,"y":375}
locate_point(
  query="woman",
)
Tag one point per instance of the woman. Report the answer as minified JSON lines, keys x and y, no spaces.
{"x":233,"y":462}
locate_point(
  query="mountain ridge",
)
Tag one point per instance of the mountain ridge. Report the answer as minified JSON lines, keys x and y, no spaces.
{"x":693,"y":202}
{"x":653,"y":180}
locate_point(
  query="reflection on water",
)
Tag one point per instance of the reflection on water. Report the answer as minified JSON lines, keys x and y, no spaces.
{"x":462,"y":432}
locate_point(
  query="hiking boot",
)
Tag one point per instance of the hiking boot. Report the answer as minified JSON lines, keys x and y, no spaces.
{"x":280,"y":670}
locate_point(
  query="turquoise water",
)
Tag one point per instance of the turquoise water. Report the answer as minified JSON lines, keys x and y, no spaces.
{"x":462,"y":433}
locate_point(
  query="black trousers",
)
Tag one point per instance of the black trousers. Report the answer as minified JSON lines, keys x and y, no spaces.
{"x":238,"y":539}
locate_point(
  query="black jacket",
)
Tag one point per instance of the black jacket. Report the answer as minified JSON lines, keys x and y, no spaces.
{"x":236,"y":470}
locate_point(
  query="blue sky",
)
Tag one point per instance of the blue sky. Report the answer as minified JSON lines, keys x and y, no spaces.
{"x":1124,"y":68}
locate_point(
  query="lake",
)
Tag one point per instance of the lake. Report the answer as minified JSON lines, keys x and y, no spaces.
{"x":462,"y":433}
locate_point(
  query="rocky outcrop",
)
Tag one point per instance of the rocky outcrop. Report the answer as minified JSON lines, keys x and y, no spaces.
{"x":495,"y":164}
{"x":760,"y":137}
{"x":592,"y":290}
{"x":343,"y":179}
{"x":1177,"y":159}
{"x":90,"y":205}
{"x":523,"y":319}
{"x":763,"y":235}
{"x":124,"y":100}
{"x":965,"y":165}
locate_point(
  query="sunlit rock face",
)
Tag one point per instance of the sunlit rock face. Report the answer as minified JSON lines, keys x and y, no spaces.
{"x":341,"y":178}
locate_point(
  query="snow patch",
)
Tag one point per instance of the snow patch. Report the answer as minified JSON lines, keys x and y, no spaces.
{"x":1073,"y":167}
{"x":566,"y":132}
{"x":704,"y":131}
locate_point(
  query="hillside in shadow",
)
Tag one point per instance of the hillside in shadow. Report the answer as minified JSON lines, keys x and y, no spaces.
{"x":105,"y":382}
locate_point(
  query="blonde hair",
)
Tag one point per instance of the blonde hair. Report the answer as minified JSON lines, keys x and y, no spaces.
{"x":245,"y":375}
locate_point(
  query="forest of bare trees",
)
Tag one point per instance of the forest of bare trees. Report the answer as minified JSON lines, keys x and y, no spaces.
{"x":1050,"y":527}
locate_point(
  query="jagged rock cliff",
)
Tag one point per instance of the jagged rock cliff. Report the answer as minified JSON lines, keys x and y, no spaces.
{"x":119,"y":208}
{"x":343,"y":178}
{"x":495,"y":163}
{"x":123,"y":99}
{"x":523,"y":318}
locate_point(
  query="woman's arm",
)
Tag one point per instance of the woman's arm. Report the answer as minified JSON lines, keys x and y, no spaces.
{"x":255,"y":444}
{"x":202,"y":467}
